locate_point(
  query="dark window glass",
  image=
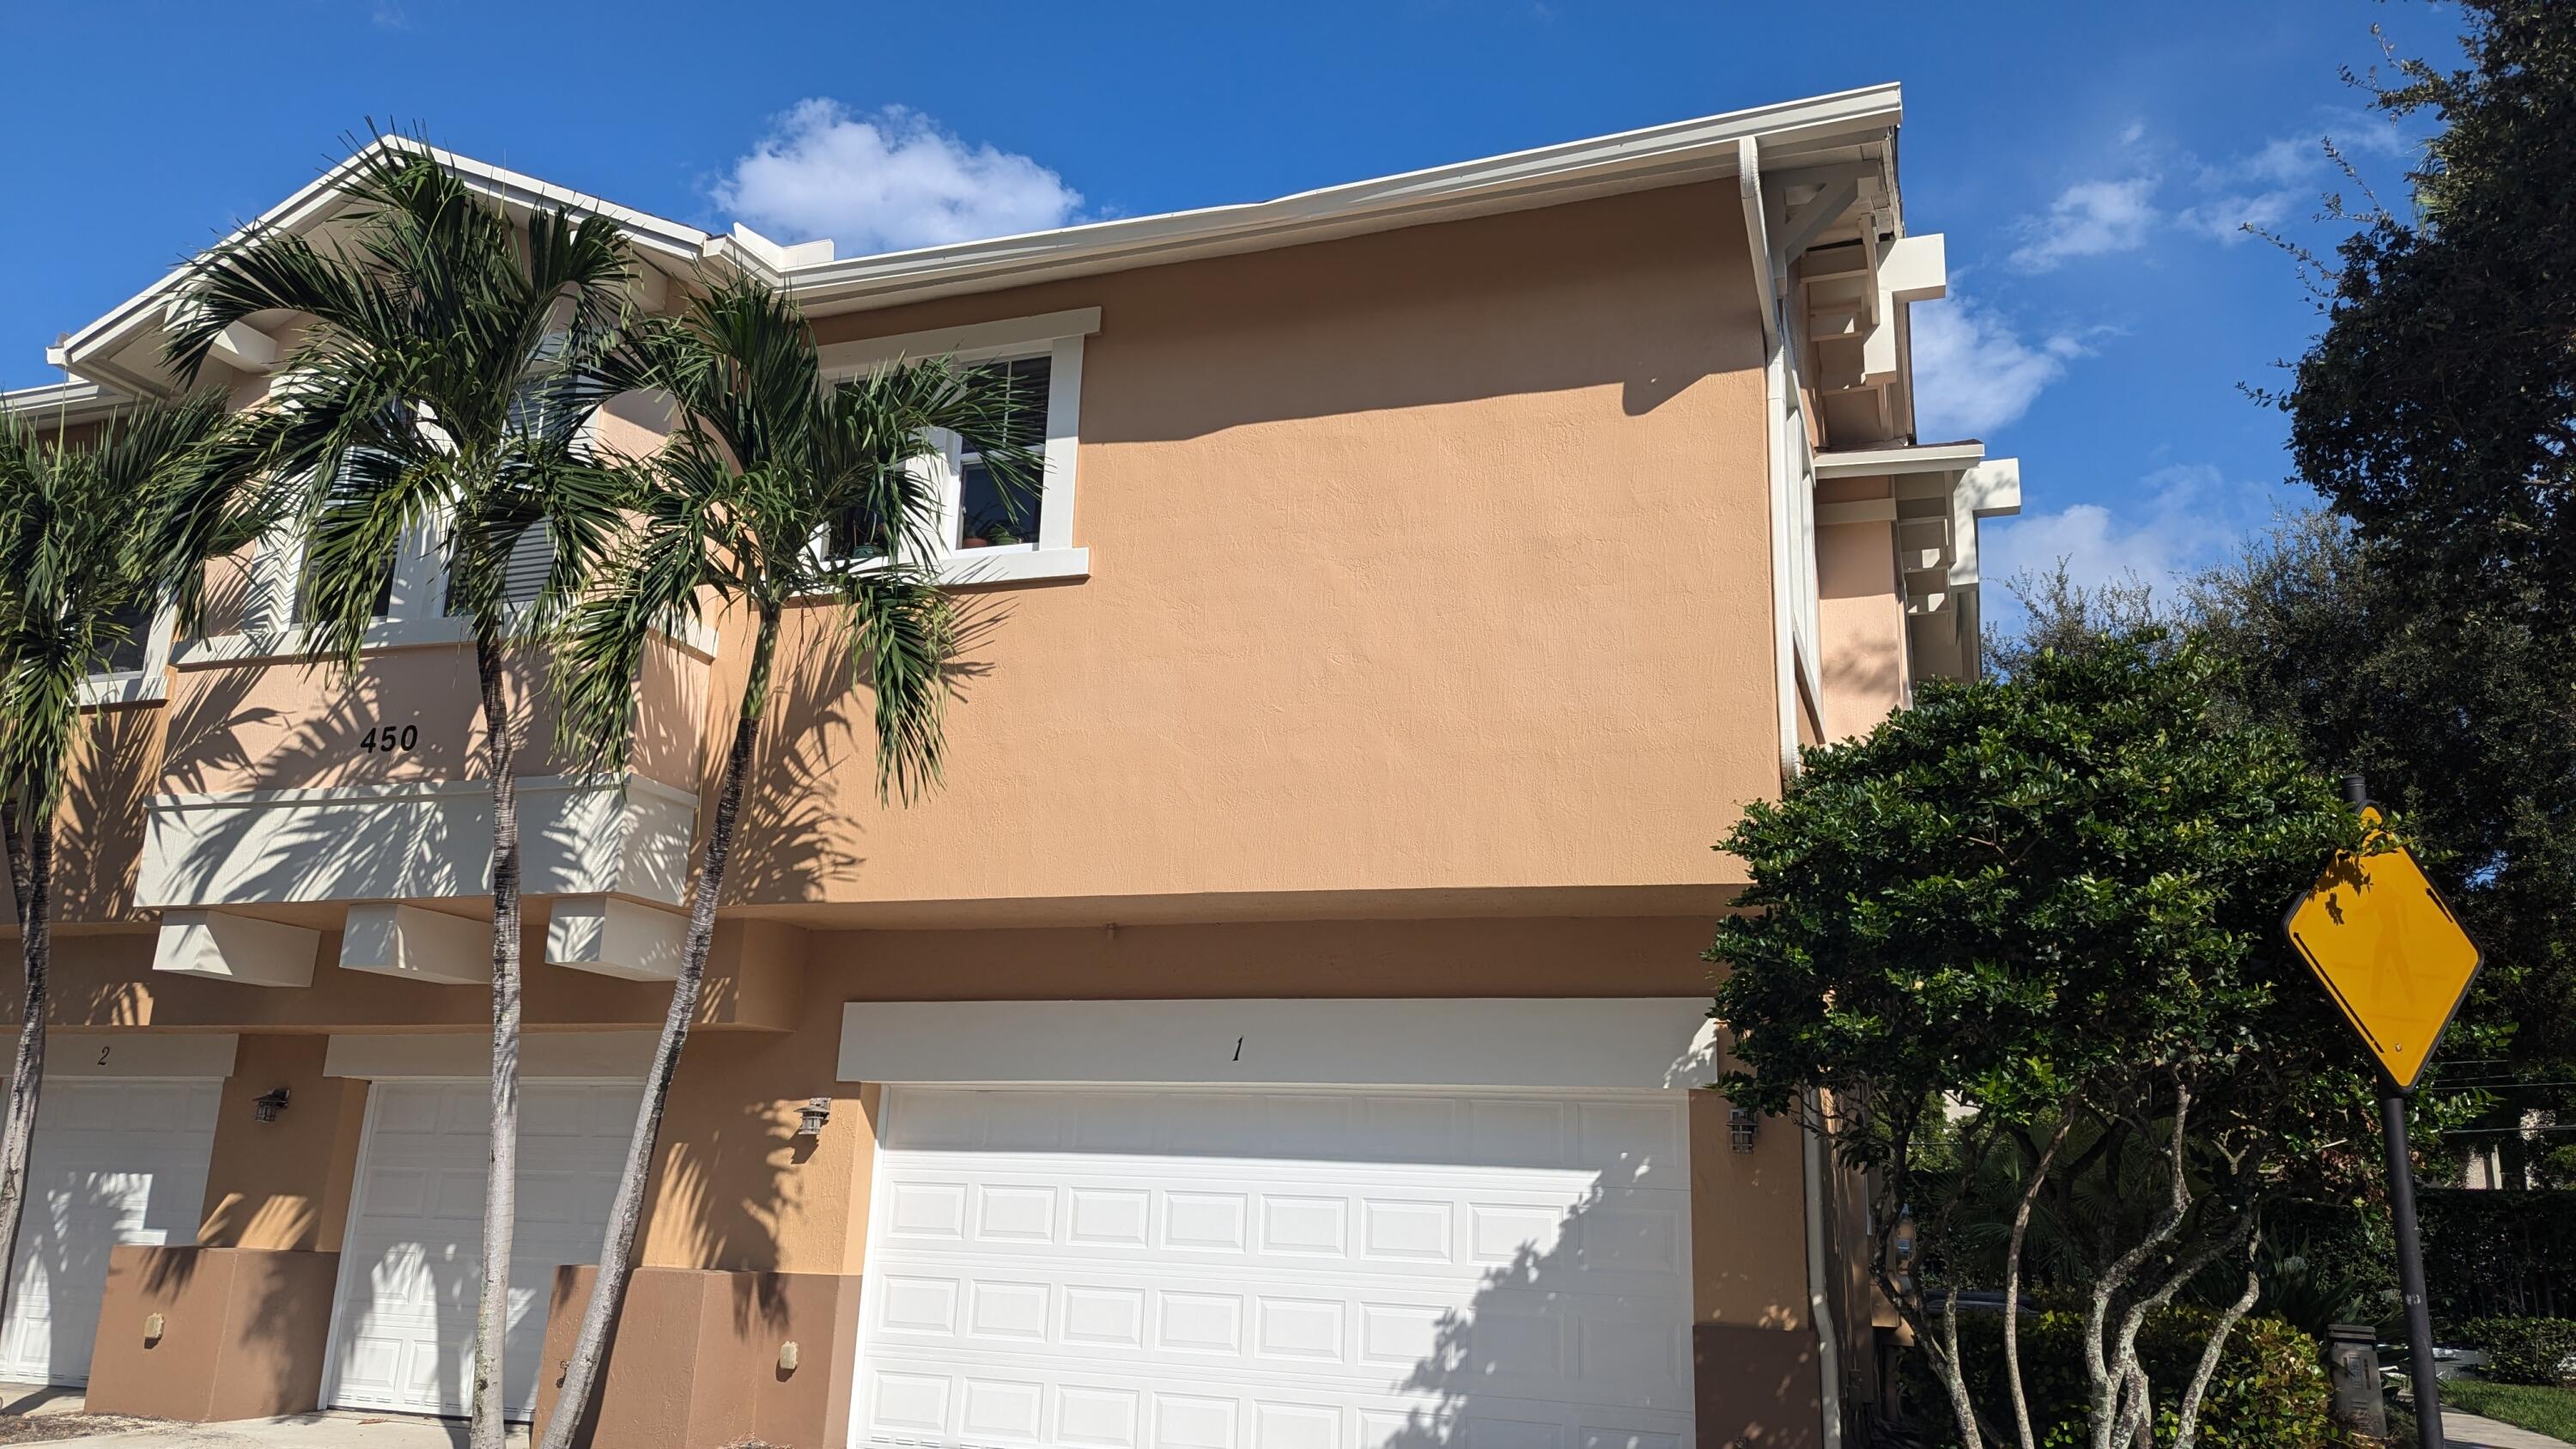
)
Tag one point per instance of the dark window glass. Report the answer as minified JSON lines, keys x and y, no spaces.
{"x":126,"y":655}
{"x":985,"y":516}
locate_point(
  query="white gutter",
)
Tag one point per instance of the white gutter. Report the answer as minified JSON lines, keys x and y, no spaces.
{"x":1829,"y":1350}
{"x":1815,"y":129}
{"x":1757,"y":235}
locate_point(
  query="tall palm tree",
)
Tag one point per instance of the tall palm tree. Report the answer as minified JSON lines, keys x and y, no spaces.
{"x":80,"y":582}
{"x":775,"y":490}
{"x":443,"y":383}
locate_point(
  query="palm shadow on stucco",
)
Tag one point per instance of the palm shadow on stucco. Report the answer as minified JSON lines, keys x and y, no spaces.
{"x":789,"y":843}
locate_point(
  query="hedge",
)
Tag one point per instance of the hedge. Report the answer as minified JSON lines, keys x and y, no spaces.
{"x":2522,"y":1350}
{"x":2269,"y":1392}
{"x":2498,"y":1254}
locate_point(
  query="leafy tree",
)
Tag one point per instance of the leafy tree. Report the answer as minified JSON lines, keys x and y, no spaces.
{"x":2038,"y":917}
{"x":777,"y":493}
{"x":442,"y":384}
{"x":95,"y":536}
{"x":2437,"y":410}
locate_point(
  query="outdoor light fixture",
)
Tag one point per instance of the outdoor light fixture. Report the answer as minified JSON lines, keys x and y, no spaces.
{"x":1740,"y":1127}
{"x":268,"y":1104}
{"x":809,"y":1122}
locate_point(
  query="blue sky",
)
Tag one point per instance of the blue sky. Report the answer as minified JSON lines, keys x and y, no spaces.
{"x":2088,"y":163}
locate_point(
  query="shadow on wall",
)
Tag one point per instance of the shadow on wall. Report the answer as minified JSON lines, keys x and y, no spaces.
{"x":99,"y":825}
{"x":786,"y":846}
{"x":725,"y":1183}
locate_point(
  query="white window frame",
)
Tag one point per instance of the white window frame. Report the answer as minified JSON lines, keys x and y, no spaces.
{"x":144,"y":684}
{"x":1057,"y":336}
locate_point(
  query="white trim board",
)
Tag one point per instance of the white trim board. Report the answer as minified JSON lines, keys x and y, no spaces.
{"x":594,"y":1056}
{"x":418,"y":840}
{"x":129,"y":1055}
{"x":1627,"y":1043}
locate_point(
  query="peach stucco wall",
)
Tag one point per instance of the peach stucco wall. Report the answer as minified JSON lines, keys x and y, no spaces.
{"x":287,"y":724}
{"x":1863,"y":619}
{"x":1431,"y":560}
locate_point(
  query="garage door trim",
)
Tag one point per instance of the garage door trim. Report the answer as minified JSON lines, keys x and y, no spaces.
{"x":341,"y":1285}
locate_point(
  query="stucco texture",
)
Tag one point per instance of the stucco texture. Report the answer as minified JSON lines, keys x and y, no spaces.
{"x":1434,"y":560}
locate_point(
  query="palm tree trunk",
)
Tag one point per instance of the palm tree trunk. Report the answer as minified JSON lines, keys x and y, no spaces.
{"x":27,"y":1076}
{"x":625,"y":1215}
{"x":500,"y":1186}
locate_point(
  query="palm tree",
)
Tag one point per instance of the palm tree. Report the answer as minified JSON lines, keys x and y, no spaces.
{"x":774,"y":491}
{"x":443,"y":381}
{"x":79,"y":585}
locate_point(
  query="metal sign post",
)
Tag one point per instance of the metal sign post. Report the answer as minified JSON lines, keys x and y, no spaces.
{"x":2410,"y":1270}
{"x":2394,"y":960}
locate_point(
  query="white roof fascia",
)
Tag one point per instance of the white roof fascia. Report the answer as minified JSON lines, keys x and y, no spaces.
{"x":1790,"y":134}
{"x":1880,"y":462}
{"x":310,"y":202}
{"x":76,"y":402}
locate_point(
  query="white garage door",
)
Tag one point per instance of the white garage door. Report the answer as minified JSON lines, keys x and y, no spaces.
{"x":410,"y":1269}
{"x":113,"y":1162}
{"x":1233,"y":1269}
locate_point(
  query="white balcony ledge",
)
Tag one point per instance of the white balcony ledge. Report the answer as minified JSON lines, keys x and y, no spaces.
{"x":428,"y":840}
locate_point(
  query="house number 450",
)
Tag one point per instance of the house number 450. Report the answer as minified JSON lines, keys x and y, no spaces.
{"x":385,"y":739}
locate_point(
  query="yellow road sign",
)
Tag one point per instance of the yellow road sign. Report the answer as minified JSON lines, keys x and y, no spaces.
{"x":2389,"y":952}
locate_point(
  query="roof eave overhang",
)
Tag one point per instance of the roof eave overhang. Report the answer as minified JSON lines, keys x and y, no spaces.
{"x":89,"y":352}
{"x":1800,"y":133}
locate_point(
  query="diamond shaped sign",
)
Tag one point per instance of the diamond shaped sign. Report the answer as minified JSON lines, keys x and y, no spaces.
{"x":2389,"y":952}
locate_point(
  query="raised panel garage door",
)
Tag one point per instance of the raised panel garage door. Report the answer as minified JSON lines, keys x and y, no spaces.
{"x":410,"y":1269}
{"x":113,"y":1162}
{"x":1277,"y":1269}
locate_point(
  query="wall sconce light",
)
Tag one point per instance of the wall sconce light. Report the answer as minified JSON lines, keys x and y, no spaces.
{"x":268,"y":1104}
{"x":1740,"y":1127}
{"x":810,"y":1119}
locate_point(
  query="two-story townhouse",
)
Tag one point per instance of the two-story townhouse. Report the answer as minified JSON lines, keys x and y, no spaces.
{"x":1280,"y":1028}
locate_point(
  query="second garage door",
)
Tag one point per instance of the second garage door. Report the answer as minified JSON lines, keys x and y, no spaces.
{"x":112,"y":1162}
{"x":1277,"y":1269}
{"x":403,"y":1335}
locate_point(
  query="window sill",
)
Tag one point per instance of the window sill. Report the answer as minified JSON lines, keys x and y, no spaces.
{"x":101,"y":691}
{"x":698,"y":639}
{"x":979,"y":567}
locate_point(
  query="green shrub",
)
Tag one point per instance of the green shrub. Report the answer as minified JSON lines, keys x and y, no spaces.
{"x":2523,"y":1350}
{"x":2269,"y":1391}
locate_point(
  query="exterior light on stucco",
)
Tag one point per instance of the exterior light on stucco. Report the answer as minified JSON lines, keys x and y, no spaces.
{"x":787,"y":1357}
{"x":1740,"y":1128}
{"x":268,"y":1104}
{"x":810,"y":1120}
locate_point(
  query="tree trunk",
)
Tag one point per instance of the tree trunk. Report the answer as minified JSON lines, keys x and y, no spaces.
{"x":27,"y":1076}
{"x":608,"y":1290}
{"x":2187,"y":1423}
{"x":500,"y":1184}
{"x":2012,"y":1279}
{"x":1954,"y":1373}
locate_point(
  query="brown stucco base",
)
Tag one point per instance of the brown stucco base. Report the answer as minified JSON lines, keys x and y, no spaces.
{"x":695,"y":1361}
{"x":1756,"y":1387}
{"x":242,"y":1334}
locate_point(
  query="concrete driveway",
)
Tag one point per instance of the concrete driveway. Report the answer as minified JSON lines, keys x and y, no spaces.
{"x":54,"y":1416}
{"x":301,"y":1431}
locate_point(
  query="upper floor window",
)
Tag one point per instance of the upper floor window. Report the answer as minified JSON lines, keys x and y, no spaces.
{"x":985,"y":516}
{"x":988,"y":537}
{"x":132,"y":668}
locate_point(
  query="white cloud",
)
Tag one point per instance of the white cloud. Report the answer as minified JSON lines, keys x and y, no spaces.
{"x":2178,"y":520}
{"x":2224,"y":218}
{"x":2088,"y":219}
{"x":1973,"y":372}
{"x":885,"y":182}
